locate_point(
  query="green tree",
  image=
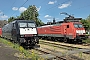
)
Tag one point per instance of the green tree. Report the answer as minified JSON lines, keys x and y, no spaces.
{"x":11,"y":19}
{"x":39,"y":22}
{"x":86,"y":23}
{"x":88,"y":18}
{"x":31,"y":14}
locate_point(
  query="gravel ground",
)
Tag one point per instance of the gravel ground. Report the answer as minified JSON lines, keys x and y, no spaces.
{"x":7,"y":53}
{"x":88,"y":36}
{"x":83,"y":56}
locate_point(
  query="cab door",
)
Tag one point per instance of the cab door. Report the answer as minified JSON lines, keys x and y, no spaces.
{"x":14,"y":32}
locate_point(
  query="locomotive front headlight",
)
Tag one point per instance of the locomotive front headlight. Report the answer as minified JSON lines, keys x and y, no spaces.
{"x":84,"y":33}
{"x":35,"y":35}
{"x":22,"y":35}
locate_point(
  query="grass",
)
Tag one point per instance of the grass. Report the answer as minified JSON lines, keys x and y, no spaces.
{"x":23,"y":52}
{"x":87,"y":40}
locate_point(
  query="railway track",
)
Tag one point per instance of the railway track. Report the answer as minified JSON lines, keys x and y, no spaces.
{"x":59,"y":45}
{"x":86,"y":44}
{"x":67,"y":47}
{"x":50,"y":54}
{"x":55,"y":55}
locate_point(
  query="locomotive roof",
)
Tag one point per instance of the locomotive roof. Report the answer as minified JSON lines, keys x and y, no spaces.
{"x":19,"y":21}
{"x":25,"y":20}
{"x":22,"y":21}
{"x":58,"y":23}
{"x":46,"y":25}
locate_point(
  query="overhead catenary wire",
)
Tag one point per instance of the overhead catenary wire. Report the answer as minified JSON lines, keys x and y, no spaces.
{"x":68,"y":10}
{"x":56,"y":5}
{"x":80,"y":7}
{"x":50,"y":7}
{"x":19,"y":7}
{"x":13,"y":3}
{"x":46,"y":9}
{"x":10,"y":7}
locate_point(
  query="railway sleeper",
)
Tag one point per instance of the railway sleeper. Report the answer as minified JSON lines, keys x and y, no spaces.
{"x":48,"y":56}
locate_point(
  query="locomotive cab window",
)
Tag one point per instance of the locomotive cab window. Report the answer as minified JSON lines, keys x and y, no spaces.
{"x":31,"y":24}
{"x":78,"y":25}
{"x":23,"y":24}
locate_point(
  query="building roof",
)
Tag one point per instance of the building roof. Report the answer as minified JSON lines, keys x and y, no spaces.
{"x":2,"y":23}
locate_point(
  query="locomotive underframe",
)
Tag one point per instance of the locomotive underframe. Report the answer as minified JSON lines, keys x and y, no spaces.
{"x":28,"y":41}
{"x":65,"y":38}
{"x":80,"y":38}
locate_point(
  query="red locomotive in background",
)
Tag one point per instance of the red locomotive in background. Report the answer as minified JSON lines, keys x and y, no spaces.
{"x":68,"y":30}
{"x":0,"y":32}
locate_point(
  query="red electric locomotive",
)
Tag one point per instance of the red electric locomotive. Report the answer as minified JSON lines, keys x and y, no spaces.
{"x":0,"y":32}
{"x":68,"y":30}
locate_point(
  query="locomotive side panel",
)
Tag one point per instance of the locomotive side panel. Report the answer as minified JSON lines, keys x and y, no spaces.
{"x":6,"y":31}
{"x":59,"y":30}
{"x":49,"y":30}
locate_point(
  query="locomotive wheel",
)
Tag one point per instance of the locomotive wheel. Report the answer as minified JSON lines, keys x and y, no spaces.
{"x":80,"y":41}
{"x":75,"y":41}
{"x":56,"y":40}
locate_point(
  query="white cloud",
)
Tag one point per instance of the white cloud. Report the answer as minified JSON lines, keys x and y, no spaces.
{"x":52,"y":2}
{"x":22,"y":9}
{"x":4,"y":17}
{"x":65,"y":5}
{"x":49,"y":19}
{"x":38,"y":9}
{"x":14,"y":8}
{"x":47,"y":16}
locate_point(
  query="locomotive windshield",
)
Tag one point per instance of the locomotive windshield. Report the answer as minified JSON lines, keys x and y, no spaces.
{"x":23,"y":24}
{"x":78,"y":26}
{"x":27,"y":24}
{"x":31,"y":24}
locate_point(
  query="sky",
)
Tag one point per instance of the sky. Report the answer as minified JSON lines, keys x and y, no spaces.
{"x":47,"y":9}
